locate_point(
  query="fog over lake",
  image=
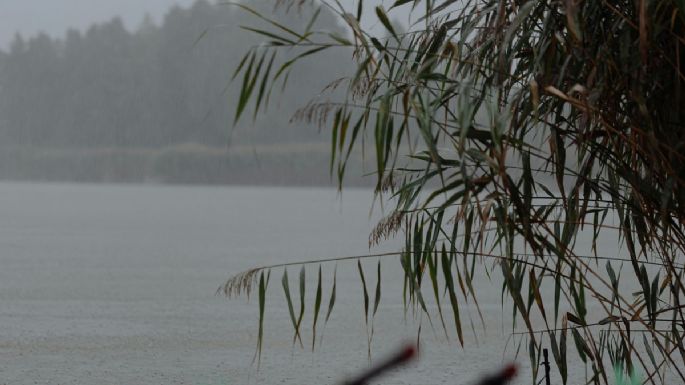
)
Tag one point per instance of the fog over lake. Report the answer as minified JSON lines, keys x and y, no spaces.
{"x":56,"y":17}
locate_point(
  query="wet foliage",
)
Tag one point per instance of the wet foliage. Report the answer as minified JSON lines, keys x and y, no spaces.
{"x":510,"y":135}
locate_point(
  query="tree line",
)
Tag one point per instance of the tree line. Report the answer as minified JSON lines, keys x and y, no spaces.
{"x":155,"y":86}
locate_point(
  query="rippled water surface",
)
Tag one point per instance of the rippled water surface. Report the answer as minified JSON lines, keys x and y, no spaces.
{"x":104,"y":284}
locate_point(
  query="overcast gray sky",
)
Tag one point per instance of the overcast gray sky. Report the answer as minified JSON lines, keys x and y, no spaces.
{"x":55,"y":16}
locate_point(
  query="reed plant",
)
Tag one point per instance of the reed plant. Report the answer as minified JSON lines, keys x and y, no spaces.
{"x":511,"y":135}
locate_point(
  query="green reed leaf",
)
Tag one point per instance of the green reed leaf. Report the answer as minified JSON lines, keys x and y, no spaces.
{"x":317,"y":307}
{"x":331,"y":301}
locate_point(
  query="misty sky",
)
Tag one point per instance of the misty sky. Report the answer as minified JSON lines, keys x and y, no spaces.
{"x":55,"y":16}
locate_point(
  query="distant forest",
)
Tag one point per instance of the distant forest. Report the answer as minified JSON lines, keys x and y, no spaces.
{"x":155,"y":104}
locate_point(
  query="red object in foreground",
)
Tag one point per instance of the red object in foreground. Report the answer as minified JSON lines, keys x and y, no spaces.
{"x":501,"y":378}
{"x":403,"y":356}
{"x":408,"y":353}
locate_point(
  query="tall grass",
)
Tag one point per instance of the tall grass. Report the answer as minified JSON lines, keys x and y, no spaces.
{"x":503,"y":130}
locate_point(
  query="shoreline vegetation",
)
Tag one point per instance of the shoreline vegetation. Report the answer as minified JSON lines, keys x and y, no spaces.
{"x":289,"y":164}
{"x":579,"y":161}
{"x":154,"y":104}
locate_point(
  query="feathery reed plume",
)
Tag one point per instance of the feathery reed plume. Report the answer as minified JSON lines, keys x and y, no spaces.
{"x":386,"y":228}
{"x":242,"y":283}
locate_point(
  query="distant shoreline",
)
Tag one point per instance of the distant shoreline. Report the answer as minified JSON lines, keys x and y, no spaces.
{"x":296,"y":164}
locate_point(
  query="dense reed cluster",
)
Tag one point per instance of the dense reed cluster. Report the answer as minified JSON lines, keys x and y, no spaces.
{"x":513,"y":136}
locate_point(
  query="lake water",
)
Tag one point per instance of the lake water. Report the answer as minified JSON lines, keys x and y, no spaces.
{"x":115,"y":284}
